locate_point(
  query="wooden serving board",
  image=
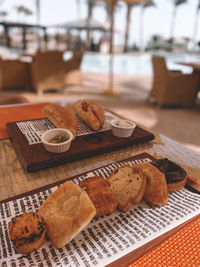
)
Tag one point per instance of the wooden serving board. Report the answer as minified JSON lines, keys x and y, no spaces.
{"x":34,"y":157}
{"x":132,"y":256}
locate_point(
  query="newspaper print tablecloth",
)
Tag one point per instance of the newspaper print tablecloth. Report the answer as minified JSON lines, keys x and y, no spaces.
{"x":33,"y":129}
{"x":105,"y":239}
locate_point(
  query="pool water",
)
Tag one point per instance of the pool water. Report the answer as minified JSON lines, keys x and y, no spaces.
{"x":139,"y":64}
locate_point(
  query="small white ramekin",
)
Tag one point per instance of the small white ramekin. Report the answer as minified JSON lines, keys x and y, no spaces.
{"x":59,"y":147}
{"x":122,"y":131}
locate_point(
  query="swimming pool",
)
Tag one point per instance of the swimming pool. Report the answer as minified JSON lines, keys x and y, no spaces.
{"x":139,"y":64}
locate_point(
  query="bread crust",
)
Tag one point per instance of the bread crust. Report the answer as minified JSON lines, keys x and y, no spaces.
{"x":27,"y":232}
{"x":176,"y":186}
{"x":156,"y":190}
{"x":61,"y":117}
{"x":99,"y":191}
{"x":175,"y":175}
{"x":67,"y":211}
{"x":128,"y":186}
{"x":91,"y":113}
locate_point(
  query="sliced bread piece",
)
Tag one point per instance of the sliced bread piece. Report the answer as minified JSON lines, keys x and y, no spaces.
{"x":100,"y":193}
{"x":156,"y":190}
{"x":128,"y":186}
{"x":67,"y":211}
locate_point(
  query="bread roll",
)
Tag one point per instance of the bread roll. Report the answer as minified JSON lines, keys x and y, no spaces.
{"x":27,"y":232}
{"x":91,"y":113}
{"x":128,"y":186}
{"x":99,"y":191}
{"x":67,"y":211}
{"x":61,"y":117}
{"x":156,"y":190}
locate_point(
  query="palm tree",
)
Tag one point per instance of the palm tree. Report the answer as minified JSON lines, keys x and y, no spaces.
{"x":37,"y":4}
{"x":111,"y":7}
{"x":19,"y":10}
{"x":144,"y":6}
{"x":128,"y":22}
{"x":91,"y":4}
{"x":3,"y":14}
{"x":23,"y":10}
{"x":196,"y":24}
{"x":78,"y":5}
{"x":27,"y":12}
{"x":176,"y":4}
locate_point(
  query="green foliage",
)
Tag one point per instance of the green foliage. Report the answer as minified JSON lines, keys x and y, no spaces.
{"x":149,"y":3}
{"x":23,"y":9}
{"x":179,"y":2}
{"x":3,"y":13}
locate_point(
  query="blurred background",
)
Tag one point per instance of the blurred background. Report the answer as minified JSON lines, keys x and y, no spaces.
{"x":155,"y":25}
{"x":129,"y":32}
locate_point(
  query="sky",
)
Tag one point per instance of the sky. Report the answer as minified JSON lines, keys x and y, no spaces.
{"x":156,"y":20}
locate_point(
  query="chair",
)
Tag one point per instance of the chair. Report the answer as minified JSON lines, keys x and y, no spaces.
{"x":173,"y":88}
{"x":14,"y":99}
{"x":14,"y":74}
{"x":50,"y":71}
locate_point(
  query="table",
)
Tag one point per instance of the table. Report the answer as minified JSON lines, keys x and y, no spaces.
{"x":14,"y":181}
{"x":194,"y":65}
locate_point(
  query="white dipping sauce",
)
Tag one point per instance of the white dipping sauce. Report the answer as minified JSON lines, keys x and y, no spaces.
{"x":124,"y":124}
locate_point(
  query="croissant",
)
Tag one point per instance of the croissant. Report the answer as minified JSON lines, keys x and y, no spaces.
{"x":61,"y":117}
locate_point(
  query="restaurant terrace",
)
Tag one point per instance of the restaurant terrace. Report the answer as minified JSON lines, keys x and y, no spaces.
{"x":99,"y":133}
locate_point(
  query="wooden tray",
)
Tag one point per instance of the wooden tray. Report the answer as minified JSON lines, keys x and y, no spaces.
{"x":135,"y":254}
{"x":35,"y":157}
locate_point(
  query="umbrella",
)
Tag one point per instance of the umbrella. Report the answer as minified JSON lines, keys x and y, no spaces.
{"x":110,"y":90}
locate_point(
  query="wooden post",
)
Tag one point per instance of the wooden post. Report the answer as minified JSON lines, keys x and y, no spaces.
{"x":110,"y":90}
{"x":7,"y":37}
{"x":24,"y":37}
{"x":45,"y":36}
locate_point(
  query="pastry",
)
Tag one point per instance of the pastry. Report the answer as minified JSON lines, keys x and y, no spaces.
{"x":67,"y":211}
{"x":91,"y":113}
{"x":156,"y":190}
{"x":61,"y":117}
{"x":176,"y":176}
{"x":99,"y":191}
{"x":128,"y":186}
{"x":27,"y":232}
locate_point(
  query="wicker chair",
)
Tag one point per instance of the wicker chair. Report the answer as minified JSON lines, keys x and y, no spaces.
{"x":50,"y":71}
{"x":14,"y":74}
{"x":173,"y":88}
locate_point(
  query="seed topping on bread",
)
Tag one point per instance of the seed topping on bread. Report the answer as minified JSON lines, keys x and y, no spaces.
{"x":27,"y":232}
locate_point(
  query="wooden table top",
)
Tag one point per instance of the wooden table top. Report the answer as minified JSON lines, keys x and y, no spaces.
{"x":194,"y":65}
{"x":14,"y":180}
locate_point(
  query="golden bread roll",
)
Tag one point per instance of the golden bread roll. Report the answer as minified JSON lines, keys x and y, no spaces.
{"x":67,"y":211}
{"x":128,"y":186}
{"x":61,"y":117}
{"x":156,"y":190}
{"x":99,"y":191}
{"x":91,"y":113}
{"x":27,"y":232}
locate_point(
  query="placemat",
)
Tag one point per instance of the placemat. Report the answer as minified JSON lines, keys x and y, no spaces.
{"x":19,"y":113}
{"x":181,"y":249}
{"x":108,"y":239}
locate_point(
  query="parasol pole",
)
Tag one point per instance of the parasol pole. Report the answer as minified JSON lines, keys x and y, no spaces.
{"x":110,"y":90}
